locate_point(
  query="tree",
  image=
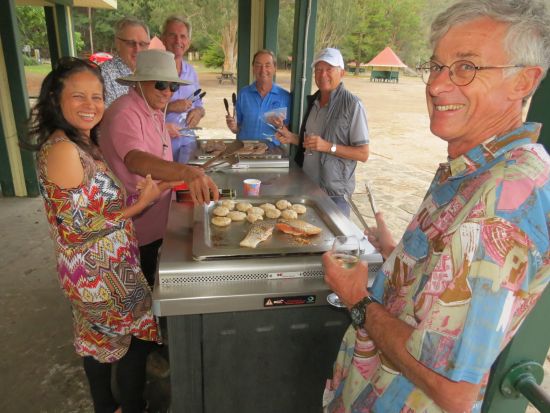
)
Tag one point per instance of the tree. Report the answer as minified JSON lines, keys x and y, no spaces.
{"x":32,"y":27}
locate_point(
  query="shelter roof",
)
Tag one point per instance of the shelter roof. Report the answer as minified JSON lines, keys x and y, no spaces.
{"x":95,"y":4}
{"x":386,"y":58}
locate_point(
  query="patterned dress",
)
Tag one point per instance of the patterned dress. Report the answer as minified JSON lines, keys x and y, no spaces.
{"x":470,"y":267}
{"x":97,"y":260}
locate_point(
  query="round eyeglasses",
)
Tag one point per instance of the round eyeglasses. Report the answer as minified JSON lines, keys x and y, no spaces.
{"x":461,"y":72}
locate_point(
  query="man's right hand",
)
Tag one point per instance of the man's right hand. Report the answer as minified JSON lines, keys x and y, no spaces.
{"x":180,"y":105}
{"x":200,"y":185}
{"x":231,"y":124}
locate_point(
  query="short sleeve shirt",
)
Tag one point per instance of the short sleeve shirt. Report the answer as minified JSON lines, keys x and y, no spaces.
{"x":251,"y":108}
{"x":111,"y":70}
{"x":470,"y":267}
{"x":129,"y":124}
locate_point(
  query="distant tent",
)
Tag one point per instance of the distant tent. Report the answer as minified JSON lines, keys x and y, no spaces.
{"x":156,"y":43}
{"x":385,"y":66}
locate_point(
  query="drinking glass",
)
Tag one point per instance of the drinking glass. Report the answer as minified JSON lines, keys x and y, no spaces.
{"x":309,"y":151}
{"x":345,"y":251}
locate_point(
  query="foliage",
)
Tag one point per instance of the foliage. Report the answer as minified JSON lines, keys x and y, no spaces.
{"x":32,"y":27}
{"x":29,"y":61}
{"x":213,"y":56}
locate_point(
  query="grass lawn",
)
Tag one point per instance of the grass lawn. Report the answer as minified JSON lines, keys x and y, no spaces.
{"x":39,"y":69}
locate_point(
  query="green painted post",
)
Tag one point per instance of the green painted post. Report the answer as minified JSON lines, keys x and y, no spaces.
{"x":531,"y":343}
{"x":19,"y":99}
{"x":52,"y":36}
{"x":302,"y":51}
{"x":539,"y":112}
{"x":243,"y":35}
{"x":271,"y":18}
{"x":64,"y":30}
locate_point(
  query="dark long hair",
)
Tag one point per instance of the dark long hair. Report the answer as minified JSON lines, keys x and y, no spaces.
{"x":47,"y":117}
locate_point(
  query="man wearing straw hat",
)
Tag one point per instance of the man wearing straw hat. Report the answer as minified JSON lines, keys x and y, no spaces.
{"x":135,"y":143}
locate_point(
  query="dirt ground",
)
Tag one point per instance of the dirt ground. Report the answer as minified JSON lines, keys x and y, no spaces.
{"x":39,"y":369}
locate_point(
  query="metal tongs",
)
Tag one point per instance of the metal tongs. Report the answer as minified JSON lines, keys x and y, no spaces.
{"x":356,"y":211}
{"x":227,"y":156}
{"x":371,"y":199}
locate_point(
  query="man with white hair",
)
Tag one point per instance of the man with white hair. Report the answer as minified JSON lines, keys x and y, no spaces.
{"x":475,"y":258}
{"x":334,"y":131}
{"x":185,"y":110}
{"x":131,"y":37}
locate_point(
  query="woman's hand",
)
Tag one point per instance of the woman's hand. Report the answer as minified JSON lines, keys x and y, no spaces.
{"x":380,"y":237}
{"x":148,"y":190}
{"x":286,"y":136}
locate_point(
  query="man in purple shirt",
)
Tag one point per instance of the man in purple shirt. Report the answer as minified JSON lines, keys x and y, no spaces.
{"x":184,"y":110}
{"x":135,"y":142}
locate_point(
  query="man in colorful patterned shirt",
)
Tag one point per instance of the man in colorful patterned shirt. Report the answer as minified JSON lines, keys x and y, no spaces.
{"x":475,"y":258}
{"x":131,"y":37}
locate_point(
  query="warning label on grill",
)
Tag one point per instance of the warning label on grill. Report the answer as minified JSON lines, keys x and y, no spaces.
{"x":294,"y":300}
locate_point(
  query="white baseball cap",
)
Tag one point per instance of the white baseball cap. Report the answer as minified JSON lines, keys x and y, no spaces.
{"x":331,"y":56}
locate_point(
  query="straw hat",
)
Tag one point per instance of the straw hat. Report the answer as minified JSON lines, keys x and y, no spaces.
{"x":154,"y":64}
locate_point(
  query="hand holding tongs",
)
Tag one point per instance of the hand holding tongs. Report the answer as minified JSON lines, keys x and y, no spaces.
{"x":234,"y":100}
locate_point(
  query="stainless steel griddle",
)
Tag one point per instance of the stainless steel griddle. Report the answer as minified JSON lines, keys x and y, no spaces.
{"x":212,"y":242}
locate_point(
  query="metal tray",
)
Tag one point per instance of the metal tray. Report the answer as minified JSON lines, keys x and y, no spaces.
{"x":212,"y":242}
{"x":273,"y":152}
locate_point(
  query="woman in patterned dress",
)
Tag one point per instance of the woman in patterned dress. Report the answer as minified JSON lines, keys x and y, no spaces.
{"x":95,"y":245}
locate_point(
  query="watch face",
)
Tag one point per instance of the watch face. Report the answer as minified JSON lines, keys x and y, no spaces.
{"x":333,"y":148}
{"x":357,"y":316}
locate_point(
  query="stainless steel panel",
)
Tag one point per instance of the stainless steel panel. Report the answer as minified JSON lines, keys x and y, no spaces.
{"x":210,"y":241}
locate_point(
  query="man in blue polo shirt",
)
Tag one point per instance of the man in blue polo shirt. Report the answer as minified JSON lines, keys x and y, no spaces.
{"x":261,"y":103}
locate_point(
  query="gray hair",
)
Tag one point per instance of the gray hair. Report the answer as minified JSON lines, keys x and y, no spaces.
{"x":528,"y":36}
{"x":129,"y":21}
{"x":265,"y":51}
{"x":176,"y":19}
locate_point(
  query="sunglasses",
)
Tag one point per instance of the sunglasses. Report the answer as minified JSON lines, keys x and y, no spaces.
{"x":162,"y":85}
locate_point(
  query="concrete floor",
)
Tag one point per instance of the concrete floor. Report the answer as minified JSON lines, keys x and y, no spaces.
{"x":39,"y":370}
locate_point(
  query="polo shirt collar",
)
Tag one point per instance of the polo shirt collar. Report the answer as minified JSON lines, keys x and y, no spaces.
{"x":491,"y":149}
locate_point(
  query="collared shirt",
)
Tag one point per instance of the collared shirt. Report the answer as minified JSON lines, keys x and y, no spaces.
{"x":344,"y":127}
{"x":470,"y":267}
{"x":251,"y":107}
{"x":189,"y":74}
{"x":129,"y":124}
{"x":111,"y":70}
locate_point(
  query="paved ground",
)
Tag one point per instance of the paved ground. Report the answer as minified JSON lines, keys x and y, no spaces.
{"x":39,"y":370}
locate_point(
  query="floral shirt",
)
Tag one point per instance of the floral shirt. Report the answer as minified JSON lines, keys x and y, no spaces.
{"x":111,"y":70}
{"x":470,"y":267}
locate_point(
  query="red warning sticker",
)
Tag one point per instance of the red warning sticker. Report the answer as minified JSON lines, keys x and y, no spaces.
{"x":293,"y":300}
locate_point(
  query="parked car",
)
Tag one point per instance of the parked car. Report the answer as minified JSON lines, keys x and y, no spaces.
{"x":100,"y":57}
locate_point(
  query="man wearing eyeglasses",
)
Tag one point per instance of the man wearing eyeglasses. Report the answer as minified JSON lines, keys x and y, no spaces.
{"x":334,"y":134}
{"x":185,"y":109}
{"x":263,"y":106}
{"x":135,"y":143}
{"x":131,"y":37}
{"x":475,"y":258}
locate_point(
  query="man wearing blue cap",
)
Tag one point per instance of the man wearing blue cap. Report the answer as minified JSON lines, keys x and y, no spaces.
{"x":334,"y":133}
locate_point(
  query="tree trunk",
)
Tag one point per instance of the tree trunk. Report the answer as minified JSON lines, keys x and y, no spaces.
{"x":90,"y":30}
{"x":229,"y":46}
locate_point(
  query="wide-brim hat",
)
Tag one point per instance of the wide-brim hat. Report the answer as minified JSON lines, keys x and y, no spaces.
{"x":154,"y":64}
{"x":331,"y":56}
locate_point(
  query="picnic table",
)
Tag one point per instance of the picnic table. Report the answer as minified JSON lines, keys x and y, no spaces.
{"x":384,"y":76}
{"x":226,"y":76}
